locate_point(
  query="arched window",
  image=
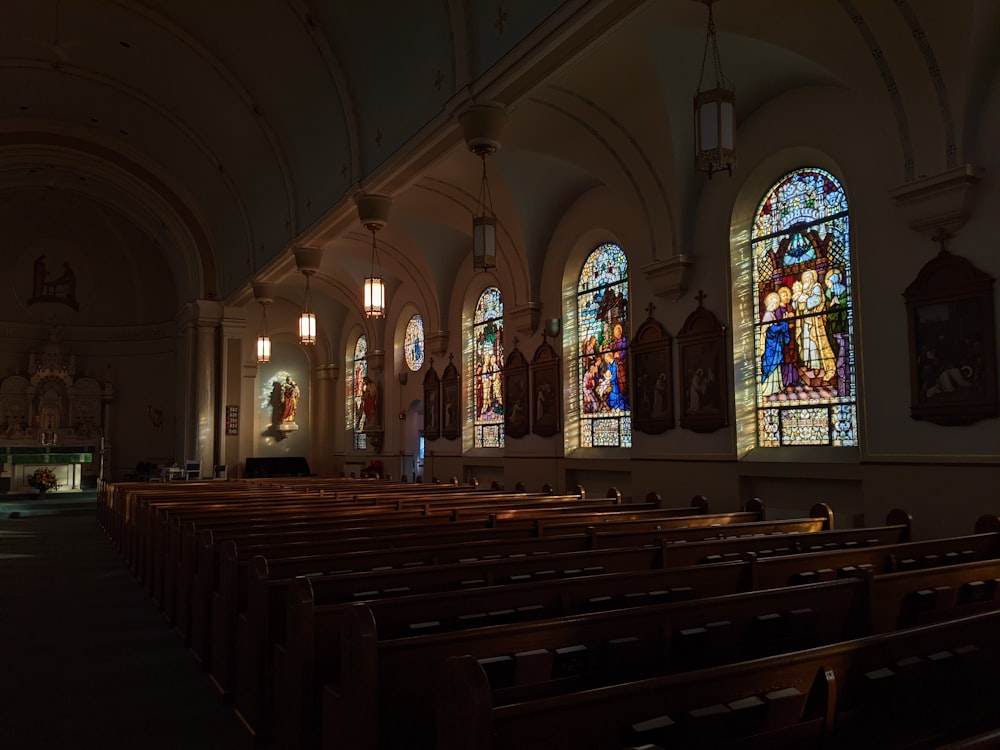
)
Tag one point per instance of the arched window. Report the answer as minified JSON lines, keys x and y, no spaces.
{"x":602,"y":304}
{"x":359,"y":379}
{"x":487,"y":371}
{"x":803,"y":314}
{"x":413,"y":343}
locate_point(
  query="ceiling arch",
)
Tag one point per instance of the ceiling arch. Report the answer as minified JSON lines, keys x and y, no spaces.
{"x":230,"y":132}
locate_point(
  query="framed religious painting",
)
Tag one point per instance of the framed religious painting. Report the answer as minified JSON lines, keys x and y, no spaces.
{"x":432,"y":403}
{"x":546,"y":393}
{"x":515,"y":394}
{"x":653,"y":383}
{"x":451,"y":406}
{"x":701,"y":349}
{"x":953,"y":367}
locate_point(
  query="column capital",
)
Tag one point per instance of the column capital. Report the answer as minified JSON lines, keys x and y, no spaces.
{"x":327,"y":372}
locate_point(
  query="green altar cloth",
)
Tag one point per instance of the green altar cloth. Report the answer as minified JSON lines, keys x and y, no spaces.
{"x":33,"y":454}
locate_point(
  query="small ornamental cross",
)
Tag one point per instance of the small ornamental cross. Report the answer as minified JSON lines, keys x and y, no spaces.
{"x":700,"y":296}
{"x":516,"y":340}
{"x":343,"y":169}
{"x":649,"y":309}
{"x":438,"y":79}
{"x":941,"y":237}
{"x":378,"y":137}
{"x":501,"y":20}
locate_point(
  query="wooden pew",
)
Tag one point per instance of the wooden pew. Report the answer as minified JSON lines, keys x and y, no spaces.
{"x":229,"y":597}
{"x":181,"y":562}
{"x":789,"y":570}
{"x":200,"y":576}
{"x":170,"y":516}
{"x":254,"y":643}
{"x":894,"y":689}
{"x":143,"y":504}
{"x":897,"y":529}
{"x":913,"y":597}
{"x":382,"y":694}
{"x":251,"y":602}
{"x":576,"y":590}
{"x":252,"y":596}
{"x":888,"y":593}
{"x":175,"y":521}
{"x":197,"y":573}
{"x":250,"y":645}
{"x":265,"y":615}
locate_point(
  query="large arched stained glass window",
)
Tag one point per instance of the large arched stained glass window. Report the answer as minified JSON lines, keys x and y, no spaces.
{"x":487,"y":371}
{"x":803,"y":314}
{"x":359,"y":387}
{"x":413,"y":343}
{"x":602,"y":304}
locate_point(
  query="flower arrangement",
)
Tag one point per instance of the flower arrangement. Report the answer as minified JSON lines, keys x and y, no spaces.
{"x":43,"y":479}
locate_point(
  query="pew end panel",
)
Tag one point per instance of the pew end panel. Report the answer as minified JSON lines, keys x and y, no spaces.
{"x":987,"y":524}
{"x":350,"y":705}
{"x":900,"y":517}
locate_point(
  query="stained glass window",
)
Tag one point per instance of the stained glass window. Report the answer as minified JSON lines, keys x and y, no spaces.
{"x":803,"y":314}
{"x":602,"y":305}
{"x":413,"y":343}
{"x":359,"y":384}
{"x":487,"y":371}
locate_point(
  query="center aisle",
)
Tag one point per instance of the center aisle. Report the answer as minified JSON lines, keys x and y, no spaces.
{"x":88,"y":660}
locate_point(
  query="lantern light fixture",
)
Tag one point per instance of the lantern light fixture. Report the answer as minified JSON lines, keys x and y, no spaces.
{"x":484,"y":222}
{"x":263,"y":339}
{"x":307,"y":319}
{"x":714,"y":112}
{"x":373,"y":211}
{"x":374,"y":295}
{"x":482,"y":125}
{"x":307,"y":260}
{"x":263,"y":292}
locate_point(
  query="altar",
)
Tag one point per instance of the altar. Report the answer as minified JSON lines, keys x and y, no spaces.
{"x":52,"y":417}
{"x":66,"y":462}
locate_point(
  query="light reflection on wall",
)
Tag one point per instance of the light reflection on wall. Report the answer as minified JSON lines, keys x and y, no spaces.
{"x":744,"y":364}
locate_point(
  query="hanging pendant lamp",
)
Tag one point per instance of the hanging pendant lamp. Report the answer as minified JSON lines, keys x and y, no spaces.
{"x":714,"y":112}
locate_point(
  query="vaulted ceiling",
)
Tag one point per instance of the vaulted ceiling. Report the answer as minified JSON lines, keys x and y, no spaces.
{"x":212,"y":137}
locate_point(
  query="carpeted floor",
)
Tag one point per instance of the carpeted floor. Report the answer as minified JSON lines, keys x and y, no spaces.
{"x":88,"y":662}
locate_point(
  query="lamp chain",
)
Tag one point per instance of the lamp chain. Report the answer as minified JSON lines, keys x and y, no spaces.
{"x":712,"y":39}
{"x":485,"y":197}
{"x":373,"y":229}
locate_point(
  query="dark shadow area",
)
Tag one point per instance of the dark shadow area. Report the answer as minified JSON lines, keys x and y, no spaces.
{"x":89,"y":661}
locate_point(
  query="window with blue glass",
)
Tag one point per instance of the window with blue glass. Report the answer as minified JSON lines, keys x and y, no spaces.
{"x":487,"y":370}
{"x":804,"y":313}
{"x":602,"y":303}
